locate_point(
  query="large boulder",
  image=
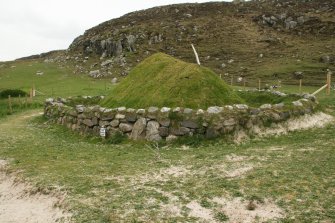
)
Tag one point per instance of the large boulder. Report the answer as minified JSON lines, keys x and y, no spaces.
{"x":139,"y":129}
{"x":152,"y":131}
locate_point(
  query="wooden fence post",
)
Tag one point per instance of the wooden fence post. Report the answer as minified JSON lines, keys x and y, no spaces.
{"x":10,"y":104}
{"x":26,"y":101}
{"x":244,"y":84}
{"x":259,"y":84}
{"x":328,"y":83}
{"x":300,"y":86}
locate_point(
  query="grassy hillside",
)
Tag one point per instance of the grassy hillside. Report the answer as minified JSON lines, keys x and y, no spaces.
{"x":56,"y":80}
{"x":162,"y":80}
{"x":232,"y":39}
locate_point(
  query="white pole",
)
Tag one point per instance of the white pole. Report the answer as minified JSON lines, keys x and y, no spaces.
{"x":196,"y":55}
{"x":318,"y":91}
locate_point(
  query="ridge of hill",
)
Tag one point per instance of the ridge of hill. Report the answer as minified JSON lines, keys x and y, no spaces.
{"x":275,"y":40}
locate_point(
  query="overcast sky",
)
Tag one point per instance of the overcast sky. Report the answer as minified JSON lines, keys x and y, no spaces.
{"x":35,"y":26}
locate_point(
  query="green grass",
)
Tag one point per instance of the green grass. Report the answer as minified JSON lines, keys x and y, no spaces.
{"x":57,"y":81}
{"x":126,"y":182}
{"x":17,"y":105}
{"x":162,"y":80}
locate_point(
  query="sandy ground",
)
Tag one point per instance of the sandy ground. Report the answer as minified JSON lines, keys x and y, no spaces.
{"x":19,"y":205}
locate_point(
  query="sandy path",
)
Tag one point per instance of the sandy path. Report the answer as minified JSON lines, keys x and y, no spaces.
{"x":17,"y":205}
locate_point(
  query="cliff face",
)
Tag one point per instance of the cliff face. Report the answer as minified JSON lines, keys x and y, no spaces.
{"x":267,"y":39}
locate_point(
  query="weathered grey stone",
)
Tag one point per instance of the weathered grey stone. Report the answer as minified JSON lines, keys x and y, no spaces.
{"x":107,"y":63}
{"x":291,"y":24}
{"x":230,"y":122}
{"x":241,"y":106}
{"x":285,"y":115}
{"x":121,"y":109}
{"x":188,"y":111}
{"x":255,"y":111}
{"x":164,"y":122}
{"x":80,"y":108}
{"x":279,"y":106}
{"x":152,"y":112}
{"x":297,"y":103}
{"x":95,"y":73}
{"x":265,"y":106}
{"x":95,"y":121}
{"x":139,"y":127}
{"x":88,"y":122}
{"x":177,"y":109}
{"x":115,"y":123}
{"x":107,"y":115}
{"x":124,"y":127}
{"x":140,"y":111}
{"x":163,"y":131}
{"x":229,"y":107}
{"x":114,"y":80}
{"x":181,"y":131}
{"x":103,"y":123}
{"x":49,"y":100}
{"x":165,"y":109}
{"x":152,"y":133}
{"x":200,"y":112}
{"x":189,"y":124}
{"x":131,"y":116}
{"x":214,"y":110}
{"x":211,"y":133}
{"x":120,"y":116}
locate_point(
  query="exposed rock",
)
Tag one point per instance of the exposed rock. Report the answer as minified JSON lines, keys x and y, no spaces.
{"x":95,"y":74}
{"x":152,"y":133}
{"x":163,"y":131}
{"x":200,"y":112}
{"x":114,"y":80}
{"x":140,"y":111}
{"x":181,"y":131}
{"x":279,"y":106}
{"x":230,"y":122}
{"x":188,"y":111}
{"x":266,"y":106}
{"x":124,"y":127}
{"x":88,"y":122}
{"x":107,"y":63}
{"x":329,"y":59}
{"x":291,"y":24}
{"x":80,"y":108}
{"x":165,"y":122}
{"x":211,"y":133}
{"x":115,"y":123}
{"x":139,"y":129}
{"x":190,"y":124}
{"x":241,"y":106}
{"x":104,"y":123}
{"x":121,"y":109}
{"x":165,"y":110}
{"x":214,"y":110}
{"x":297,"y":103}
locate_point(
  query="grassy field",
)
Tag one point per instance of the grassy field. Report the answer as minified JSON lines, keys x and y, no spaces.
{"x":291,"y":175}
{"x":56,"y":80}
{"x":289,"y":178}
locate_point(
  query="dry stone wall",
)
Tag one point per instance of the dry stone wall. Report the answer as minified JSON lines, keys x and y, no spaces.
{"x":155,"y":124}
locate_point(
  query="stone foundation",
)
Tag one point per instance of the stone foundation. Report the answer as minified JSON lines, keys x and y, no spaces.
{"x":155,"y":124}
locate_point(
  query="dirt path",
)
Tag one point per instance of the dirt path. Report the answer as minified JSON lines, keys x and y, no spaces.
{"x":17,"y":203}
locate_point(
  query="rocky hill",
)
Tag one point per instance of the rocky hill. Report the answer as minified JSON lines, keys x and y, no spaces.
{"x":270,"y":39}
